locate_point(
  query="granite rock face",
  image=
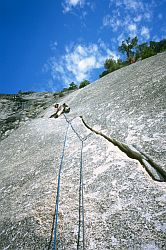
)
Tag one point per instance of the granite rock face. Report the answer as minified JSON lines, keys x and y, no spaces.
{"x":124,"y":208}
{"x":16,"y":109}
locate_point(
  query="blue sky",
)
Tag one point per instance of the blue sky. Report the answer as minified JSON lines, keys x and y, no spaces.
{"x":47,"y":44}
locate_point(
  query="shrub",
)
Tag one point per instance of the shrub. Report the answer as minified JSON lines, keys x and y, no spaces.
{"x":104,"y":73}
{"x":56,"y":94}
{"x":84,"y":83}
{"x":72,"y":86}
{"x":61,"y":94}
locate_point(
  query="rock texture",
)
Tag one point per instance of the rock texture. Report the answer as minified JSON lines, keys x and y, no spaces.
{"x":124,"y":208}
{"x":20,"y":108}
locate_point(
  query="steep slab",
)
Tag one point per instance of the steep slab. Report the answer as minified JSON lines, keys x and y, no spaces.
{"x":124,"y":208}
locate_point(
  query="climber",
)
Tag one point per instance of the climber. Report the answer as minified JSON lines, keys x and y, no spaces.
{"x":64,"y":108}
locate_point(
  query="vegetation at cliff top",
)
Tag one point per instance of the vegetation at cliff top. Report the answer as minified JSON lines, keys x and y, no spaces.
{"x":130,"y":49}
{"x":133,"y":52}
{"x":73,"y":86}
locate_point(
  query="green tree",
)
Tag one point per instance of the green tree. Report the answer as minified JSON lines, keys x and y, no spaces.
{"x":154,"y":46}
{"x":72,"y":86}
{"x":141,"y":49}
{"x":111,"y":64}
{"x":158,"y":46}
{"x":104,"y":73}
{"x":145,"y":51}
{"x":162,"y":45}
{"x":65,"y":89}
{"x":84,"y":83}
{"x":133,"y":52}
{"x":128,"y":47}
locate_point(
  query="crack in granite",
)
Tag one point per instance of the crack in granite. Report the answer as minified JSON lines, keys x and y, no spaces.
{"x":152,"y":168}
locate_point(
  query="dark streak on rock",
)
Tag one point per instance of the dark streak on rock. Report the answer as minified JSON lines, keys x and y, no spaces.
{"x":153,"y":169}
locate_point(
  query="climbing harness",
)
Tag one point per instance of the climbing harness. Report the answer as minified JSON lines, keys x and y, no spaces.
{"x":81,"y":227}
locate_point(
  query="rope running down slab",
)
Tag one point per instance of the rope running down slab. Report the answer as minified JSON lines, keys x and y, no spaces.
{"x":58,"y":192}
{"x":81,"y":193}
{"x":81,"y":223}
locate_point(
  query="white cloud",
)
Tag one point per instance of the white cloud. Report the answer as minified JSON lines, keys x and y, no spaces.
{"x":68,"y":5}
{"x":126,"y":18}
{"x":133,"y":4}
{"x":145,"y":32}
{"x":54,"y":45}
{"x":112,"y":21}
{"x":74,"y":2}
{"x":137,"y":18}
{"x":148,"y":15}
{"x":132,"y":27}
{"x":156,"y":38}
{"x":79,"y":61}
{"x":121,"y":38}
{"x":128,"y":4}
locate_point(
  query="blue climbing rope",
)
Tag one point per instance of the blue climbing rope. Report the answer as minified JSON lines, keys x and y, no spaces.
{"x":58,"y":192}
{"x":69,"y":121}
{"x":82,"y":194}
{"x":81,"y":190}
{"x":81,"y":203}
